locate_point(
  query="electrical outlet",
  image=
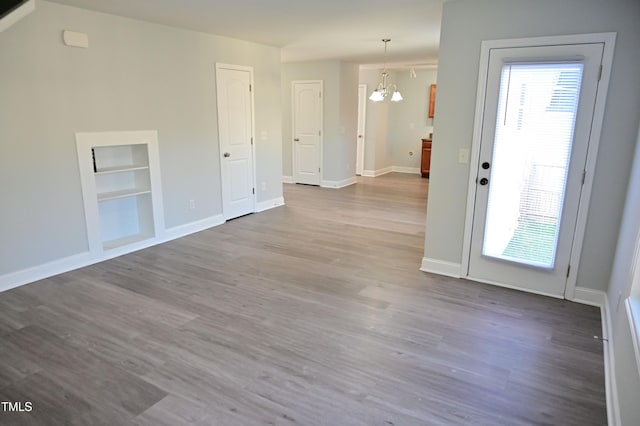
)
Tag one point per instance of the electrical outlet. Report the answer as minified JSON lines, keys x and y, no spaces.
{"x":192,"y":204}
{"x":463,"y":156}
{"x":263,"y":185}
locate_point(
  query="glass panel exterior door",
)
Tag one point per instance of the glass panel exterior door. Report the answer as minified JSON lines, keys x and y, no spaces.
{"x":536,"y":125}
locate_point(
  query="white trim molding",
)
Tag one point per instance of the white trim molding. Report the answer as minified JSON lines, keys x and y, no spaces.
{"x":376,"y":173}
{"x":80,"y":260}
{"x":441,"y":267}
{"x":45,"y":270}
{"x":633,"y":315}
{"x":599,"y":299}
{"x":410,"y":170}
{"x":269,"y":204}
{"x":337,"y":184}
{"x":610,"y":382}
{"x":192,"y":227}
{"x":587,"y":296}
{"x":287,"y":179}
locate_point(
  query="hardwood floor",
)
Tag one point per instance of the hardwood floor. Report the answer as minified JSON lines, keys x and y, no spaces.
{"x":314,"y":313}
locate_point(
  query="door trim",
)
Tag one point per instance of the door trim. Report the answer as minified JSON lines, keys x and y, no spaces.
{"x":248,"y":69}
{"x":364,"y":125}
{"x":608,"y":39}
{"x":293,"y":127}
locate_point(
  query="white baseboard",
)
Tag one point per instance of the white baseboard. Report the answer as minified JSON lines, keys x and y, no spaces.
{"x":49,"y":269}
{"x":269,"y":204}
{"x":441,"y":267}
{"x":192,"y":227}
{"x":287,"y":179}
{"x":598,"y":298}
{"x":376,"y":173}
{"x":587,"y":296}
{"x":411,"y":170}
{"x":611,"y":387}
{"x":336,"y":184}
{"x":80,"y":260}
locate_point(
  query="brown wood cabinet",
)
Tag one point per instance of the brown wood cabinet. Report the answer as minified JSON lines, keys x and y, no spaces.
{"x":425,"y":164}
{"x":432,"y":101}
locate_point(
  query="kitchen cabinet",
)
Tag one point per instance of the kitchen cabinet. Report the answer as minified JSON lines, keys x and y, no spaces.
{"x":425,"y":164}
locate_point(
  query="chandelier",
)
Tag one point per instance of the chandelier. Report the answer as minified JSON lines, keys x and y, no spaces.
{"x":383,"y":90}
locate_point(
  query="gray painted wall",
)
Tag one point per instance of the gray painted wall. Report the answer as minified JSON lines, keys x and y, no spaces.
{"x":348,"y":121}
{"x":465,"y":24}
{"x":134,"y":76}
{"x":393,"y":129}
{"x":408,"y":122}
{"x":376,"y":156}
{"x":626,"y":373}
{"x":340,"y":115}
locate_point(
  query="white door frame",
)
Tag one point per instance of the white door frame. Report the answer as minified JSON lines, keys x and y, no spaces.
{"x":293,"y":127}
{"x":253,"y":128}
{"x":363,"y":107}
{"x":594,"y":141}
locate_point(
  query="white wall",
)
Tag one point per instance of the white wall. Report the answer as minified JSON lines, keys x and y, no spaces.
{"x":340,"y":115}
{"x":134,"y":76}
{"x":465,"y":24}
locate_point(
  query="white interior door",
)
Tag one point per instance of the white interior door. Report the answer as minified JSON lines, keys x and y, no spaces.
{"x":235,"y":128}
{"x":538,"y":111}
{"x":362,"y":117}
{"x":307,"y":131}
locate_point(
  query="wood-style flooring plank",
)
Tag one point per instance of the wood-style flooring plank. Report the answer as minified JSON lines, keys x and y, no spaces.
{"x":314,"y":313}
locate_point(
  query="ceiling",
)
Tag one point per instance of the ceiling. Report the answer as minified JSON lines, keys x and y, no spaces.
{"x":348,"y":30}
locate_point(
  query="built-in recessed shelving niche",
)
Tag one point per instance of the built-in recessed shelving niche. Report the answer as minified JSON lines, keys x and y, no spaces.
{"x":120,"y":176}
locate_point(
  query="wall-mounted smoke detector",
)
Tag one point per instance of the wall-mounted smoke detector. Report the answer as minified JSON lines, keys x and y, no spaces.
{"x":75,"y":39}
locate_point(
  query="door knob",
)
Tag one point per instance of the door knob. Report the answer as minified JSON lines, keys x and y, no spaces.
{"x":486,"y":165}
{"x":227,"y":154}
{"x":484,"y":181}
{"x":296,"y":140}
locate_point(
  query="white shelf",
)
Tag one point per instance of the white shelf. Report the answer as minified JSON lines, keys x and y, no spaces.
{"x":129,"y":239}
{"x":121,"y":169}
{"x":122,"y":194}
{"x":121,"y":189}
